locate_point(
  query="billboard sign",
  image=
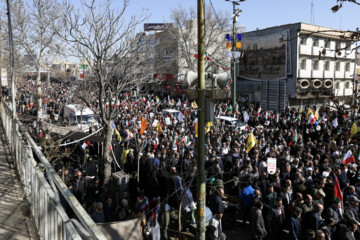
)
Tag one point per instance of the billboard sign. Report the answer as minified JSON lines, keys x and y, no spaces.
{"x":265,"y":57}
{"x":148,"y":27}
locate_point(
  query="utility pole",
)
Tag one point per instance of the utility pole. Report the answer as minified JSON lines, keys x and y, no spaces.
{"x":201,"y":184}
{"x":236,"y":13}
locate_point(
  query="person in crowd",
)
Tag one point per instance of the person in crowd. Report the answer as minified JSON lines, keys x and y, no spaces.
{"x":258,"y":230}
{"x":295,"y":224}
{"x":98,"y":215}
{"x":276,"y":220}
{"x":216,"y":223}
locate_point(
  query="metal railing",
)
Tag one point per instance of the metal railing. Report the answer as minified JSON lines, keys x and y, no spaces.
{"x":50,"y":217}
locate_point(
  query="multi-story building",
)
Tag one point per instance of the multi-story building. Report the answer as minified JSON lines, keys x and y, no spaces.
{"x":175,"y":50}
{"x":296,"y":65}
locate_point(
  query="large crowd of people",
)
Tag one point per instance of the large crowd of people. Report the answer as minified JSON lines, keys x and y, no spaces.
{"x":310,"y":191}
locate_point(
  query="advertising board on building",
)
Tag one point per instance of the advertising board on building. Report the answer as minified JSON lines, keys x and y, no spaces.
{"x":265,"y":57}
{"x":148,"y":27}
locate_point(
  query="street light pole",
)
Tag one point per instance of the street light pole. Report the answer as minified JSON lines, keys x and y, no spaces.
{"x":233,"y":59}
{"x":201,"y":184}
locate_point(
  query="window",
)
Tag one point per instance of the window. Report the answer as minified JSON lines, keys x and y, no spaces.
{"x":337,"y":86}
{"x":157,"y":53}
{"x":316,"y":65}
{"x":303,"y":41}
{"x":347,"y":85}
{"x":165,"y":52}
{"x":316,"y":43}
{"x":327,"y":66}
{"x":337,"y":67}
{"x":338,"y":45}
{"x":151,"y":42}
{"x":327,"y":43}
{"x":348,"y":46}
{"x":303,"y":64}
{"x":347,"y":67}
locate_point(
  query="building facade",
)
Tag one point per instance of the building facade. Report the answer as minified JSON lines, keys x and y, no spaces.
{"x":296,"y":65}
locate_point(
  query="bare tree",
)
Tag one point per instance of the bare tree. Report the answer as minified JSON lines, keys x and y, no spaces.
{"x":216,"y":24}
{"x":35,"y":40}
{"x":102,"y":37}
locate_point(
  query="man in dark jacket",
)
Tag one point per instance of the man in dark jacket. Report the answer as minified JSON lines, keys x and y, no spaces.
{"x":276,"y":220}
{"x":348,"y":233}
{"x":108,"y":211}
{"x":90,"y":168}
{"x":295,"y":224}
{"x":258,"y":231}
{"x":78,"y":186}
{"x":315,"y":219}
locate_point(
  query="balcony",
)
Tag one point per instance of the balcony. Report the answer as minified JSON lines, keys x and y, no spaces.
{"x":328,"y":74}
{"x":339,"y":74}
{"x":304,"y":73}
{"x":305,"y":49}
{"x":317,"y":74}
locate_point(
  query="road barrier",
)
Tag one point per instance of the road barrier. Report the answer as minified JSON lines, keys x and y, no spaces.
{"x":42,"y":193}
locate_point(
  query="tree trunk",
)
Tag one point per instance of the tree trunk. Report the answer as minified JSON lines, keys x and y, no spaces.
{"x":39,"y":93}
{"x":106,"y":158}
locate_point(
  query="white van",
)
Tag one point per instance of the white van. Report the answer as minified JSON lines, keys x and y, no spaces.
{"x":234,"y":122}
{"x":83,"y":116}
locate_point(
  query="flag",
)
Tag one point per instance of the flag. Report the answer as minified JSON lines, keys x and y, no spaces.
{"x":196,"y":130}
{"x":348,"y":158}
{"x":335,"y":123}
{"x":316,"y":115}
{"x":309,"y":112}
{"x":337,"y":191}
{"x":354,"y":130}
{"x":143,"y":126}
{"x":124,"y":155}
{"x":180,"y":117}
{"x":296,"y":136}
{"x":208,"y":126}
{"x":147,"y":108}
{"x":158,"y":128}
{"x":178,"y":103}
{"x":250,"y":142}
{"x":194,"y":105}
{"x":258,"y":112}
{"x":118,"y":135}
{"x":311,"y":119}
{"x":246,"y":116}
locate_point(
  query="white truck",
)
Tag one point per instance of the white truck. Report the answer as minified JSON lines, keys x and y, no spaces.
{"x":83,"y":116}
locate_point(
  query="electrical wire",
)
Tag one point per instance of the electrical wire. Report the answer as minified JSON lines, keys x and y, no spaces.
{"x":217,"y":18}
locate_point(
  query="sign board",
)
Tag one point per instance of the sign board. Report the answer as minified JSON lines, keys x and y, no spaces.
{"x":155,"y":123}
{"x":271,"y":165}
{"x":156,"y":26}
{"x":167,"y":121}
{"x":81,"y":73}
{"x":265,"y":57}
{"x":4,"y":80}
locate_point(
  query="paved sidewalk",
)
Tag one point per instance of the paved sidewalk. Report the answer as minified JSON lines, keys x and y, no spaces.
{"x":15,"y":220}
